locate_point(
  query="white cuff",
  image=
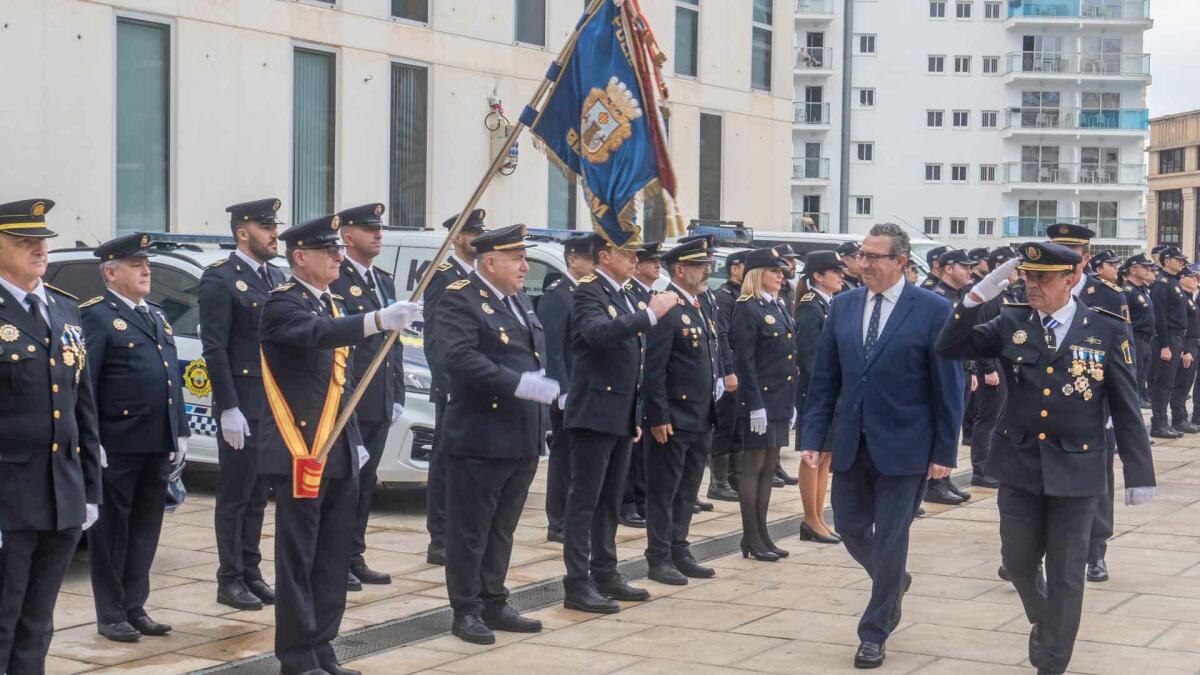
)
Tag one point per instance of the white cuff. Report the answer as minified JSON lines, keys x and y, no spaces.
{"x":369,"y":327}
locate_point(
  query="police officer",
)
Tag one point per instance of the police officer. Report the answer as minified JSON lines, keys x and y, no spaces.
{"x":458,"y":266}
{"x":1170,"y":325}
{"x":554,"y":312}
{"x":979,"y":260}
{"x":680,"y":389}
{"x":990,"y":392}
{"x":725,"y":446}
{"x":493,"y":344}
{"x":232,"y":294}
{"x":848,"y":253}
{"x":933,"y":258}
{"x":367,"y":288}
{"x":1186,"y":375}
{"x":787,"y":292}
{"x":603,"y":417}
{"x":50,"y":484}
{"x":307,"y":335}
{"x":143,"y":432}
{"x":640,"y":287}
{"x":1139,"y":272}
{"x":1067,"y":366}
{"x":954,"y":268}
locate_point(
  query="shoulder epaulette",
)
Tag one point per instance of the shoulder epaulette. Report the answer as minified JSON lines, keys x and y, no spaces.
{"x":154,"y":304}
{"x":1019,"y":305}
{"x":337,"y":297}
{"x":745,"y":297}
{"x":218,"y":263}
{"x":808,"y":297}
{"x":1111,"y":285}
{"x":61,"y":292}
{"x":588,"y":279}
{"x":283,"y":287}
{"x":384,"y":272}
{"x":444,"y":266}
{"x":555,"y":284}
{"x":1114,"y":315}
{"x":458,"y":285}
{"x":91,"y":302}
{"x":628,"y":286}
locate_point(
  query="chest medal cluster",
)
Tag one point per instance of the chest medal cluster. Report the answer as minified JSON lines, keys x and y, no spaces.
{"x":1085,"y":363}
{"x":73,"y":351}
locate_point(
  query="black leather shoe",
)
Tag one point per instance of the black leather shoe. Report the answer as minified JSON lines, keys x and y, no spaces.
{"x":435,"y":555}
{"x":335,"y":668}
{"x":1164,"y":432}
{"x":777,"y":482}
{"x":1003,"y":574}
{"x":920,"y":510}
{"x":1035,"y":644}
{"x":119,"y":632}
{"x":617,"y":588}
{"x":985,"y":481}
{"x":147,"y":626}
{"x":259,"y":589}
{"x":508,"y":620}
{"x":898,"y":610}
{"x":352,"y":582}
{"x":587,"y":599}
{"x":665,"y":573}
{"x":809,"y":534}
{"x":696,"y":509}
{"x":632,"y":520}
{"x":783,"y":475}
{"x":704,"y":506}
{"x":1186,"y":427}
{"x":962,"y":494}
{"x":691,"y":569}
{"x":938,"y":493}
{"x":722,"y":491}
{"x":236,"y":595}
{"x":869,"y":655}
{"x":1097,"y":571}
{"x":554,"y":535}
{"x":369,"y":576}
{"x":470,"y":628}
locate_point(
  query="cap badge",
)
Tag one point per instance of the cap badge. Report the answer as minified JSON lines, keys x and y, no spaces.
{"x":612,"y":312}
{"x":9,"y":333}
{"x":1033,"y":253}
{"x":355,"y":291}
{"x":379,"y":209}
{"x":145,"y":241}
{"x":487,"y":309}
{"x":38,"y":210}
{"x":276,"y":204}
{"x":120,"y":324}
{"x":241,"y":285}
{"x":1020,"y":337}
{"x":335,"y":223}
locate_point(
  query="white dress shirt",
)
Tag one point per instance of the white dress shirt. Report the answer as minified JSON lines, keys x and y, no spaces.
{"x":1065,"y":315}
{"x":369,"y":328}
{"x":829,"y":298}
{"x":621,"y":291}
{"x":503,"y":299}
{"x":132,"y":305}
{"x":890,"y":297}
{"x":366,"y":273}
{"x":255,"y":265}
{"x":19,"y":295}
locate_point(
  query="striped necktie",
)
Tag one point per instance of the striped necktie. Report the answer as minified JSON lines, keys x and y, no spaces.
{"x":1049,"y":323}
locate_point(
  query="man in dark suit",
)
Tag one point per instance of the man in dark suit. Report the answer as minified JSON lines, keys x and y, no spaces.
{"x":367,"y":288}
{"x":50,"y":485}
{"x":641,"y":288}
{"x":493,"y":343}
{"x":306,"y":349}
{"x":457,"y":267}
{"x":232,"y":294}
{"x":725,"y":446}
{"x":554,"y":311}
{"x":603,"y":417}
{"x":143,"y":433}
{"x":899,"y":410}
{"x":1067,"y":367}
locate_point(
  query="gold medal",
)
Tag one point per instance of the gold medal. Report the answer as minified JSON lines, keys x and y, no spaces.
{"x":241,"y":286}
{"x":9,"y":333}
{"x":1087,"y":395}
{"x":1020,"y":337}
{"x":68,"y":358}
{"x":612,"y":312}
{"x":167,"y":325}
{"x":1077,"y":369}
{"x":355,"y":291}
{"x":687,"y":320}
{"x":1067,"y":390}
{"x":503,"y":337}
{"x":770,"y":320}
{"x":641,"y":305}
{"x":1098,"y":374}
{"x":487,"y":309}
{"x":120,"y":324}
{"x":1081,"y":383}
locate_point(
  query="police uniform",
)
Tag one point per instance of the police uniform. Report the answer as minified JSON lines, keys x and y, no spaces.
{"x":1186,"y":375}
{"x":50,"y":459}
{"x":1141,"y":320}
{"x":135,"y":374}
{"x":361,"y":294}
{"x":930,"y":281}
{"x":811,"y":311}
{"x":849,"y":281}
{"x":492,"y":438}
{"x":725,"y":446}
{"x":452,"y":270}
{"x":787,"y":293}
{"x":680,"y":390}
{"x":1049,"y":443}
{"x":1170,"y":326}
{"x":232,"y":294}
{"x":943,"y":490}
{"x":633,"y":504}
{"x":989,"y":399}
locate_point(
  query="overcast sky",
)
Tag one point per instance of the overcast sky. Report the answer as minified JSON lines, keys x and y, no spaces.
{"x":1174,"y":47}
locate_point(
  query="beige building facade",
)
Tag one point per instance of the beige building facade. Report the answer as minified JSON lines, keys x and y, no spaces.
{"x":1172,"y":207}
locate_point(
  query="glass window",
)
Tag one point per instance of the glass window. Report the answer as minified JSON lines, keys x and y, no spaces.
{"x":561,"y":199}
{"x":710,"y":166}
{"x":413,"y":10}
{"x":687,"y":33}
{"x":538,"y":277}
{"x":79,"y":278}
{"x":143,"y":126}
{"x":866,"y":98}
{"x":762,"y":34}
{"x":865,"y":151}
{"x":937,"y":9}
{"x":764,"y":12}
{"x":866,"y":44}
{"x":312,"y":134}
{"x":961,"y":119}
{"x":1170,"y":161}
{"x":987,"y":118}
{"x":936,"y":64}
{"x":958,"y":226}
{"x":862,"y":206}
{"x":933,"y":118}
{"x":991,"y":65}
{"x":987,"y":173}
{"x":991,"y":11}
{"x":1170,"y":217}
{"x":962,"y":65}
{"x":962,"y":10}
{"x":933,"y":226}
{"x":176,"y":292}
{"x":410,"y":142}
{"x":987,"y":226}
{"x":531,"y":22}
{"x":1100,"y":216}
{"x":958,"y":173}
{"x":933,"y":172}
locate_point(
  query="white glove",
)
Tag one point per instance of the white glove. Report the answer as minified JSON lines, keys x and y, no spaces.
{"x":399,"y":315}
{"x":758,"y":421}
{"x":397,"y":411}
{"x":180,"y":454}
{"x":562,"y":402}
{"x":535,"y":386}
{"x":103,"y":458}
{"x":363,"y":456}
{"x":234,"y":428}
{"x":1136,"y":496}
{"x":93,"y":514}
{"x":996,"y":280}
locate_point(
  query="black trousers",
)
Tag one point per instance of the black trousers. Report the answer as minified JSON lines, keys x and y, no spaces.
{"x":634,"y":498}
{"x":489,"y":495}
{"x":673,"y":474}
{"x":374,"y":436}
{"x":32,"y":567}
{"x":1034,"y":526}
{"x":312,"y":558}
{"x":971,"y":407}
{"x":1102,"y":519}
{"x":558,"y":471}
{"x":1184,"y":379}
{"x":122,"y":543}
{"x":435,"y":486}
{"x":873,"y":513}
{"x":1162,"y":377}
{"x":241,"y":502}
{"x":1141,"y":345}
{"x":988,"y":402}
{"x":599,"y":464}
{"x":725,"y":441}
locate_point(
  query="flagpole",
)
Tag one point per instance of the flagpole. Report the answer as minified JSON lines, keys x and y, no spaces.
{"x":497,"y":162}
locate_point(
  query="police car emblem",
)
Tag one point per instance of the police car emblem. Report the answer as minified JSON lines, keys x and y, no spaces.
{"x":355,"y":291}
{"x":195,"y":378}
{"x":120,"y":324}
{"x":241,"y":285}
{"x":487,"y":309}
{"x":1020,"y":337}
{"x":9,"y":333}
{"x":612,"y":311}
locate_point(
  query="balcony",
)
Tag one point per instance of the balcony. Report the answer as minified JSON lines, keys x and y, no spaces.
{"x":1090,"y":122}
{"x":813,"y":116}
{"x":814,"y":61}
{"x":1082,"y":12}
{"x":814,"y":10}
{"x":1105,"y":228}
{"x":1026,"y":66}
{"x":1087,"y":176}
{"x":810,"y":222}
{"x":810,"y":170}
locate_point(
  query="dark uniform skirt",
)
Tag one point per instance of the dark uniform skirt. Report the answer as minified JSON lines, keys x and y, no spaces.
{"x":778,"y":434}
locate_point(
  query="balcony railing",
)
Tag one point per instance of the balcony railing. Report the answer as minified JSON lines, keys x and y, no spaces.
{"x":814,"y":58}
{"x":810,"y":222}
{"x":1105,"y":228}
{"x":1137,"y":119}
{"x":1058,"y":173}
{"x":1058,"y":63}
{"x":810,"y":168}
{"x":1113,"y":10}
{"x":814,"y":8}
{"x":813,"y":114}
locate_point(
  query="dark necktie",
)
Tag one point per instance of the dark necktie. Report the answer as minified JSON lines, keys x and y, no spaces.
{"x":374,"y":288}
{"x":148,"y":321}
{"x":262,"y":274}
{"x":873,"y":326}
{"x":512,"y":307}
{"x":327,"y":301}
{"x":39,"y":323}
{"x":1049,"y":323}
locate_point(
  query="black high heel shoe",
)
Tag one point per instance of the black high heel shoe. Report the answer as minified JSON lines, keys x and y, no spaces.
{"x":809,"y":534}
{"x":761,"y":556}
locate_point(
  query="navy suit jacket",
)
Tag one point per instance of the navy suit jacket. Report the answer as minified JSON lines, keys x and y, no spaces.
{"x":906,"y":400}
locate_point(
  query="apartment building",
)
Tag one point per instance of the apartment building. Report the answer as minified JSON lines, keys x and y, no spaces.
{"x":980,"y":122}
{"x":151,"y":115}
{"x":1172,"y":205}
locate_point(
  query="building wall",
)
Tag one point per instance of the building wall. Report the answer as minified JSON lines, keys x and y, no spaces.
{"x":1170,"y":133}
{"x":231,"y":130}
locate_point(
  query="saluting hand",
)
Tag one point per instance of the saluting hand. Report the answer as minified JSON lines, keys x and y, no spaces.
{"x":662,"y":303}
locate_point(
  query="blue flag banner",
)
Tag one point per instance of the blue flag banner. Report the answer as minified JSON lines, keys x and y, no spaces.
{"x":602,"y":120}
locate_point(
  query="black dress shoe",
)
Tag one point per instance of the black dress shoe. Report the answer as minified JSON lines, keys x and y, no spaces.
{"x":632,"y":520}
{"x":1164,"y":432}
{"x":508,"y":620}
{"x":1035,"y":644}
{"x":809,"y":534}
{"x":586,"y":598}
{"x":938,"y":493}
{"x":470,"y":628}
{"x":435,"y":555}
{"x":369,"y":576}
{"x":962,"y":494}
{"x":869,"y":655}
{"x":761,"y":555}
{"x":688,"y":567}
{"x":777,"y":482}
{"x":259,"y":589}
{"x":783,"y":475}
{"x":147,"y":626}
{"x":696,"y":508}
{"x":704,"y":506}
{"x":1003,"y":574}
{"x":897,"y":611}
{"x":617,"y":588}
{"x":335,"y":668}
{"x":236,"y":595}
{"x":665,"y":573}
{"x":352,"y":582}
{"x":920,"y":511}
{"x":555,"y":536}
{"x":119,"y":632}
{"x":1097,"y":571}
{"x":722,"y":491}
{"x":1186,"y":427}
{"x":983,"y":480}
